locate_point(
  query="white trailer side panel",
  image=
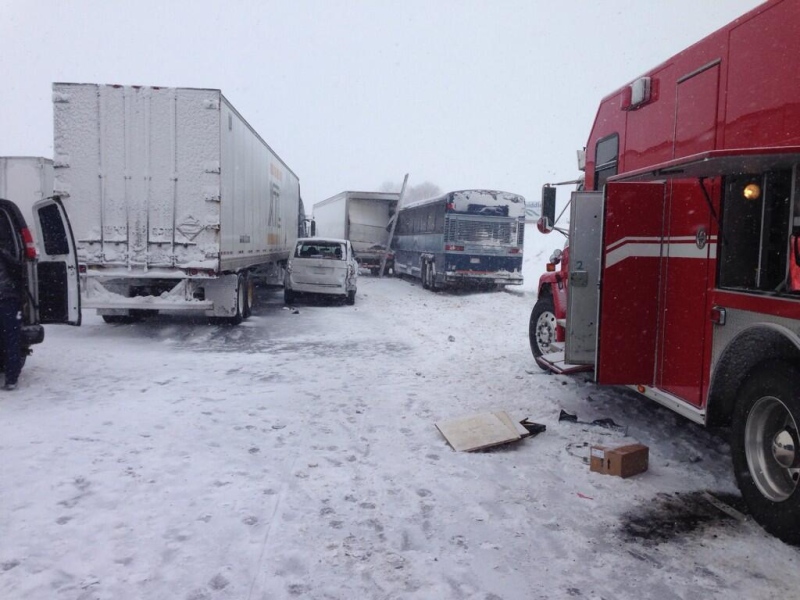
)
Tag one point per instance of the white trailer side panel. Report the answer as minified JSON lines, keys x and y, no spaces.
{"x":26,"y":180}
{"x":330,"y":217}
{"x":260,"y":197}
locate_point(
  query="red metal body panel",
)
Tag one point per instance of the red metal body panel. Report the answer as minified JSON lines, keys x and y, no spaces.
{"x":630,"y":282}
{"x":735,"y":90}
{"x":758,"y":104}
{"x":683,"y":327}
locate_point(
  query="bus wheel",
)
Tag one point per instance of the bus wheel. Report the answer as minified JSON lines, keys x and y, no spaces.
{"x":766,"y":447}
{"x":542,"y":326}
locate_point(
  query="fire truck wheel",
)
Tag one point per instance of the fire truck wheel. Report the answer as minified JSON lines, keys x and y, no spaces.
{"x":766,"y":447}
{"x":542,"y":326}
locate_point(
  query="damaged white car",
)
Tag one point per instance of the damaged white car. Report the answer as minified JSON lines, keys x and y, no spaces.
{"x":322,"y":266}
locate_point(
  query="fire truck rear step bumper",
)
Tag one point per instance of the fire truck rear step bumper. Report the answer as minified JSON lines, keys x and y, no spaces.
{"x":555,"y":362}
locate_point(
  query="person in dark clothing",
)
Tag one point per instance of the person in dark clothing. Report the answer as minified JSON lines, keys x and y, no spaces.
{"x":11,"y":316}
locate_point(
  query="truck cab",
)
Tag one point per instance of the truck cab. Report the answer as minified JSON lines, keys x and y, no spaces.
{"x":49,"y":266}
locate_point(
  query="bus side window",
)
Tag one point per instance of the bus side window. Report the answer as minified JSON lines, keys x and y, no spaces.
{"x":439,"y":225}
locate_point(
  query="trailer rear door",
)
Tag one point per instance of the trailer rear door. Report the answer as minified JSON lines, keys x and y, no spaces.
{"x":629,"y":283}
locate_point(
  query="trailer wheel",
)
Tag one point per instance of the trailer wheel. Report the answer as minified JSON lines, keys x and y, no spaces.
{"x":249,"y":298}
{"x":351,"y":297}
{"x":241,"y":300}
{"x":766,"y":447}
{"x":542,"y":326}
{"x":288,"y":296}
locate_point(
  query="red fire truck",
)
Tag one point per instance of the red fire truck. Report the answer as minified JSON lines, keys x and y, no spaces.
{"x":681,"y":277}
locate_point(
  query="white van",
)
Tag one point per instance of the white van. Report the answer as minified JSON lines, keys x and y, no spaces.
{"x":321,"y":266}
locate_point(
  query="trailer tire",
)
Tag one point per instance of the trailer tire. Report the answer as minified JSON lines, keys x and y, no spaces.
{"x":765,"y":447}
{"x":241,"y":300}
{"x":249,"y":297}
{"x":542,"y":326}
{"x":288,"y":296}
{"x":351,"y":298}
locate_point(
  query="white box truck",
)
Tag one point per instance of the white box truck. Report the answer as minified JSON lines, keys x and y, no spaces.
{"x":25,"y":180}
{"x":362,"y":218}
{"x":176,"y":202}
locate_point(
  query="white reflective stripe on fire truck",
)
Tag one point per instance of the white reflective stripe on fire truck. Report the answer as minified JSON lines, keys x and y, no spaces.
{"x":653,"y":247}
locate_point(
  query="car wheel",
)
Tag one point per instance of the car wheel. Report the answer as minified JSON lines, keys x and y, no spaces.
{"x":765,"y":447}
{"x":542,"y":326}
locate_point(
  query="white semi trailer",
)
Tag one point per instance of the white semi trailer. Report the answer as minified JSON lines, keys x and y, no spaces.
{"x":176,"y":202}
{"x":26,"y":180}
{"x":362,"y":218}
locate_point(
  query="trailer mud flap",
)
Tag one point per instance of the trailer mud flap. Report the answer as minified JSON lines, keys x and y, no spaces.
{"x":629,"y":287}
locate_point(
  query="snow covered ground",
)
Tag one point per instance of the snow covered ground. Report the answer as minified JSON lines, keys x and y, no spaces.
{"x":295,"y":456}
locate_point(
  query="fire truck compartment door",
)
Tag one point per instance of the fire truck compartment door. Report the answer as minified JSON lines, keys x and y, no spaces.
{"x":585,"y":246}
{"x":629,"y":283}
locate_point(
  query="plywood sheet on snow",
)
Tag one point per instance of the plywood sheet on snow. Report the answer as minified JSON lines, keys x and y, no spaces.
{"x":480,"y":431}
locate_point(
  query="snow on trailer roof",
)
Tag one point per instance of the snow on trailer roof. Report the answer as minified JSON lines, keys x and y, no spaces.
{"x":192,"y":89}
{"x":360,"y":195}
{"x":464,"y":197}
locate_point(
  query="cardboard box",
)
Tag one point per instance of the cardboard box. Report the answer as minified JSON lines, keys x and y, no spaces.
{"x":622,"y":461}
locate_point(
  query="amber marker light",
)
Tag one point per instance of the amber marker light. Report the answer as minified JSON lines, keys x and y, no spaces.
{"x":752,"y":191}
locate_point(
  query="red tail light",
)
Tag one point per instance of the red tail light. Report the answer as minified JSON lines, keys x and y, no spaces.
{"x":30,"y":247}
{"x":453,"y":248}
{"x":513,"y":251}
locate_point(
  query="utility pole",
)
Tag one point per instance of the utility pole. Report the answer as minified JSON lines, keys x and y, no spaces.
{"x":394,"y":224}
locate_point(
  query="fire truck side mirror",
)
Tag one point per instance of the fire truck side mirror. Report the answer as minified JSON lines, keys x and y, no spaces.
{"x":546,"y":222}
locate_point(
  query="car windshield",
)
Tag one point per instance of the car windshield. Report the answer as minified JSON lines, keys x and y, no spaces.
{"x":320,"y":249}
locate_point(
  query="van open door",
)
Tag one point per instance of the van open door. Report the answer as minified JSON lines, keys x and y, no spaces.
{"x":58,"y":283}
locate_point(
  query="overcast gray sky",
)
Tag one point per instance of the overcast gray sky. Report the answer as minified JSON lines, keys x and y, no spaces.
{"x":351,"y":94}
